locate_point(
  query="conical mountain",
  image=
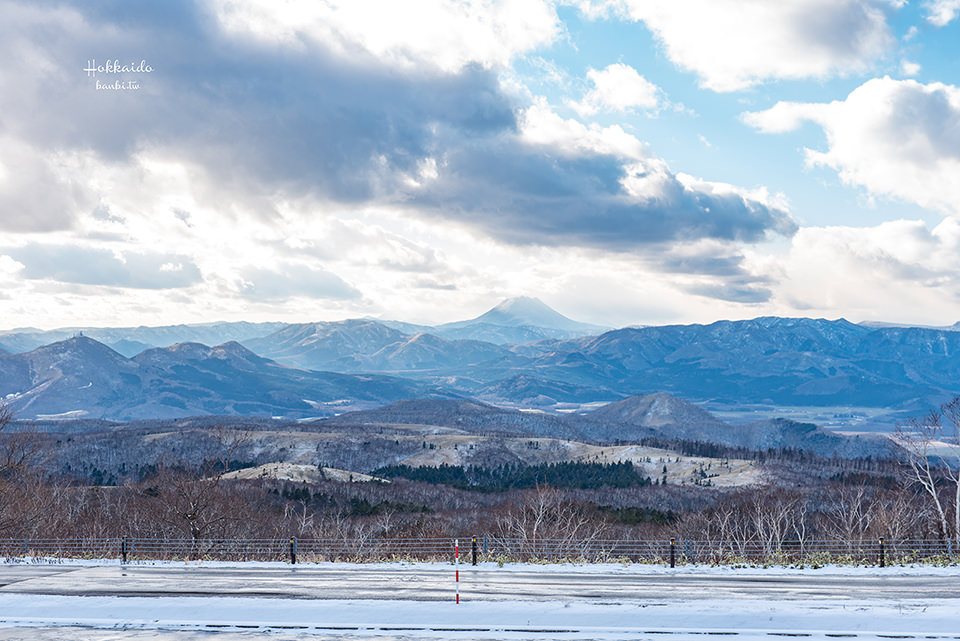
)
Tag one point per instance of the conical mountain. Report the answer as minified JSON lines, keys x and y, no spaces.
{"x":519,"y":320}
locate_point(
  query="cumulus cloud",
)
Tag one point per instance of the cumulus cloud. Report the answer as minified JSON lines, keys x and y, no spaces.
{"x":735,"y":44}
{"x":92,"y":266}
{"x":292,"y":118}
{"x":942,"y":12}
{"x":619,"y":87}
{"x":259,"y":120}
{"x":897,"y":138}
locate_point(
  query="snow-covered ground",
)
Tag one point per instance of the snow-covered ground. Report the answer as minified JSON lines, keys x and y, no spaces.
{"x":47,"y":617}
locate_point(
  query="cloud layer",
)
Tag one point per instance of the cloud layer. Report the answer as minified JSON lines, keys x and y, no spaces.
{"x":294,"y":118}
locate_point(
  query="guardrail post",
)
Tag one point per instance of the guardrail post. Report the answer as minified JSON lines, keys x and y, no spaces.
{"x":673,"y":553}
{"x":26,"y":547}
{"x":123,"y":548}
{"x":881,"y":554}
{"x":473,"y":549}
{"x":485,"y":551}
{"x":293,"y":551}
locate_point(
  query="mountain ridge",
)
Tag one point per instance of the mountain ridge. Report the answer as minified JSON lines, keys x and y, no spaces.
{"x":82,"y":377}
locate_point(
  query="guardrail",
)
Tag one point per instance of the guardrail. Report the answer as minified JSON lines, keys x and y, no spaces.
{"x":491,"y":548}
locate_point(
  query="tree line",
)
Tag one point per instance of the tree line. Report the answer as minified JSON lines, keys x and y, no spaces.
{"x":914,"y":498}
{"x":566,"y":474}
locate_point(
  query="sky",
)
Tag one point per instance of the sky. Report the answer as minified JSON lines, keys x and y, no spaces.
{"x":629,"y":162}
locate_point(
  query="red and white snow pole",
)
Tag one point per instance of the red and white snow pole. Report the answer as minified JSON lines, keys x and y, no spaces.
{"x":456,"y":563}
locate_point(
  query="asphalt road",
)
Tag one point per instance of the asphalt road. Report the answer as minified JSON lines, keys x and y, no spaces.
{"x":487,"y":583}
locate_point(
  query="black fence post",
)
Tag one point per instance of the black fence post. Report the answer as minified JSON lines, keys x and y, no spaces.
{"x":473,"y":549}
{"x":293,"y":551}
{"x":673,"y":553}
{"x":123,"y":548}
{"x":485,"y":549}
{"x":882,"y":560}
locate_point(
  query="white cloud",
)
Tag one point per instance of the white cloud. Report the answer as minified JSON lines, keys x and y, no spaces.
{"x":619,"y":87}
{"x":942,"y":12}
{"x":540,"y":125}
{"x":447,"y":34}
{"x":908,"y":68}
{"x":897,"y":271}
{"x":735,"y":44}
{"x":896,"y":138}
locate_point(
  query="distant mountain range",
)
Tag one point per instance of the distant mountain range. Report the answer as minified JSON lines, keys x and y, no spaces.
{"x":130,"y":341}
{"x":777,"y":361}
{"x":82,"y":378}
{"x":316,"y":369}
{"x":515,"y":320}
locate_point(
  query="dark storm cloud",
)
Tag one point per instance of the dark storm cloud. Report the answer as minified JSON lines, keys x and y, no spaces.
{"x":268,"y":122}
{"x":69,"y":264}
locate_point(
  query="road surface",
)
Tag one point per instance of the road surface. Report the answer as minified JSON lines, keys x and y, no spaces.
{"x":435,"y":582}
{"x":404,"y":602}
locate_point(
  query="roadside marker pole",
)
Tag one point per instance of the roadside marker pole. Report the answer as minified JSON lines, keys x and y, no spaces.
{"x":456,"y":562}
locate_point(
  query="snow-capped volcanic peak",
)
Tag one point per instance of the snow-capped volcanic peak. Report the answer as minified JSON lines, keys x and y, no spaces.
{"x":528,"y":311}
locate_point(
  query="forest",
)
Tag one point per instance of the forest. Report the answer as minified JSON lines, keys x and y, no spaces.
{"x":801,"y":499}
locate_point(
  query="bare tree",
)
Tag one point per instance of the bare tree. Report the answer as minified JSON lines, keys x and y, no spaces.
{"x":21,"y":500}
{"x":195,"y":499}
{"x":932,"y":456}
{"x":850,"y":514}
{"x":545,"y":522}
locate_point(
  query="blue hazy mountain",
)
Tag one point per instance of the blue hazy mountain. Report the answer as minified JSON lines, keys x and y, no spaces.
{"x":130,"y":341}
{"x":80,"y":377}
{"x":768,"y":361}
{"x":368,"y":344}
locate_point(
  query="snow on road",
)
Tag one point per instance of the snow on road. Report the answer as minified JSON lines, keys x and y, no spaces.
{"x":32,"y":617}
